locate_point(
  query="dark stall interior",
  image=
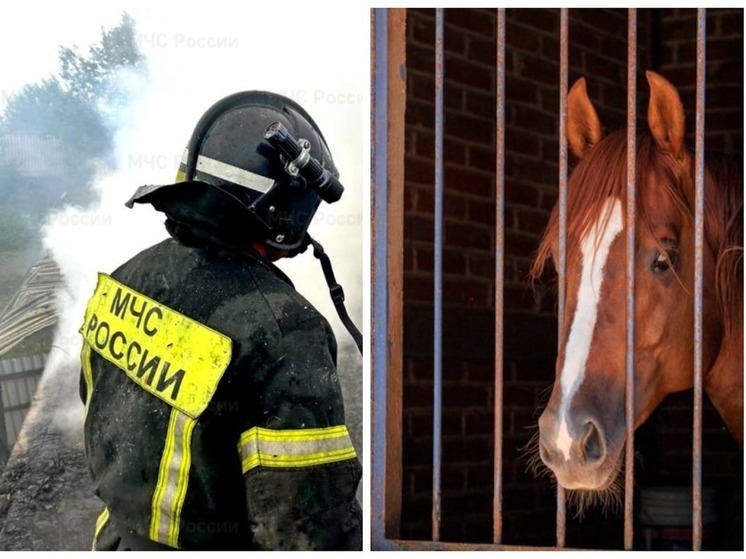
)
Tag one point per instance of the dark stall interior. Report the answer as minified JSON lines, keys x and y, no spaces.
{"x":598,"y":51}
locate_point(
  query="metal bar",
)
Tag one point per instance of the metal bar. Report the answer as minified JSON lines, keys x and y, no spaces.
{"x":629,"y":457}
{"x":419,"y":545}
{"x":379,"y":158}
{"x":387,"y":166}
{"x":699,"y":208}
{"x":561,"y":527}
{"x":497,"y":511}
{"x":438,"y":279}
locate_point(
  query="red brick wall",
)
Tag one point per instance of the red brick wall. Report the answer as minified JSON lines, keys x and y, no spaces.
{"x":724,"y":71}
{"x":597,"y":51}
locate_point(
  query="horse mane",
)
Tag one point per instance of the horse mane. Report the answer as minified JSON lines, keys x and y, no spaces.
{"x":602,"y":173}
{"x":724,"y":225}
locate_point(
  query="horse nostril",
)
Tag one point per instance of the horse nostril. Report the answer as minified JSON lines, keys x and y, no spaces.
{"x":593,"y":446}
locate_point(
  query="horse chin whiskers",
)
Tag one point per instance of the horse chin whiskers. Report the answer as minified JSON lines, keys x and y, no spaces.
{"x":530,"y":455}
{"x":610,"y":498}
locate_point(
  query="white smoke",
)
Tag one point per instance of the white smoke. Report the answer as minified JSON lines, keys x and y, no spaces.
{"x":194,"y":59}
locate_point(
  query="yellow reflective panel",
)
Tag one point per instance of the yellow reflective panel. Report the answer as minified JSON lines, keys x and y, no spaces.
{"x":170,"y":355}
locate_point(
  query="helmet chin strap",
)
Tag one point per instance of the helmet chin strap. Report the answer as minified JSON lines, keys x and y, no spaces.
{"x":335,"y":290}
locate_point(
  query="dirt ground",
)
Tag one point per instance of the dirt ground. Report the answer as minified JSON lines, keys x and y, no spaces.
{"x":46,"y":502}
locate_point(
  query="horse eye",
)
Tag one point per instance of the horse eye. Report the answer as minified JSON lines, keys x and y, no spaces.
{"x":663,"y":262}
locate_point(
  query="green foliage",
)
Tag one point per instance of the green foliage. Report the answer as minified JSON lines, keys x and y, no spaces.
{"x":91,"y":78}
{"x":68,"y":110}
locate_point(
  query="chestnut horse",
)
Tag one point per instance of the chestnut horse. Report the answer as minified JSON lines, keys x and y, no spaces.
{"x":582,"y":429}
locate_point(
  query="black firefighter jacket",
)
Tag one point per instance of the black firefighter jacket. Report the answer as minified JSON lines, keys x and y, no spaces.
{"x":214,"y":416}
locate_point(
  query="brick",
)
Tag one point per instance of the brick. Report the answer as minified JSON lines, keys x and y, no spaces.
{"x":522,"y":37}
{"x":453,"y":152}
{"x":546,"y":20}
{"x":419,"y":171}
{"x":467,"y":181}
{"x":521,"y":194}
{"x":730,"y":23}
{"x":454,"y":263}
{"x":528,"y":118}
{"x":465,"y":293}
{"x":470,"y":129}
{"x":481,"y":266}
{"x":469,"y":74}
{"x":482,"y":158}
{"x":454,"y":40}
{"x":467,"y":235}
{"x":480,"y":475}
{"x":467,"y":449}
{"x":479,"y":20}
{"x":481,"y":371}
{"x":522,"y":142}
{"x":421,"y":29}
{"x":419,"y":228}
{"x":420,"y":113}
{"x":479,"y":423}
{"x":607,"y":21}
{"x":541,"y":71}
{"x":530,"y":220}
{"x":481,"y":50}
{"x":420,"y":57}
{"x":481,"y":104}
{"x":417,"y":288}
{"x":480,"y":212}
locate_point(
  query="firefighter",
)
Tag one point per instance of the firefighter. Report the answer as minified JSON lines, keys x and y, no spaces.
{"x":214,"y":416}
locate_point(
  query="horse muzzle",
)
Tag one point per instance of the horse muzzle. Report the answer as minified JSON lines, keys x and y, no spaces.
{"x":578,"y":453}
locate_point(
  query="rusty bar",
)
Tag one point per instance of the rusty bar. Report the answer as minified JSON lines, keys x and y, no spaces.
{"x":497,"y":511}
{"x":629,"y":471}
{"x":699,"y":208}
{"x":438,"y":279}
{"x":387,"y":168}
{"x":561,"y":527}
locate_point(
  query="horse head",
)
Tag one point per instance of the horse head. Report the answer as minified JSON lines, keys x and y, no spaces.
{"x":582,"y":429}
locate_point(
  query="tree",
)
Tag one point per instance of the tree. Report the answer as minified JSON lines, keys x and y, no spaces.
{"x":69,"y":110}
{"x":92,"y":78}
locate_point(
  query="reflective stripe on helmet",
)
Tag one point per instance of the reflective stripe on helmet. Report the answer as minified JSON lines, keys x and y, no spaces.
{"x":229,"y":173}
{"x":294,"y":448}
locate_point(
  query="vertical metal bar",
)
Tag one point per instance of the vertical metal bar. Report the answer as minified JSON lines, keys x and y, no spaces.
{"x":379,"y":158}
{"x":699,"y":208}
{"x":438,"y":279}
{"x":629,"y":472}
{"x":497,"y":512}
{"x":562,"y":267}
{"x":387,"y":167}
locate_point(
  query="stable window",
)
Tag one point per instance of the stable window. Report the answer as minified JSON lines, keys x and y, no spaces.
{"x":467,"y":165}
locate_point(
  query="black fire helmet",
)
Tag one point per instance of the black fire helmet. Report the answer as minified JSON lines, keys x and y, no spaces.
{"x":235,"y":181}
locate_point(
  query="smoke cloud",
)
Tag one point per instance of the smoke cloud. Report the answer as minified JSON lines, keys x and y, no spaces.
{"x":194,"y":59}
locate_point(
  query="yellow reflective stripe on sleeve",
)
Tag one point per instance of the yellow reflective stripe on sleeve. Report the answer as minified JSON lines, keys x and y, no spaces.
{"x":101,"y":521}
{"x":168,"y":354}
{"x":173,"y":478}
{"x":294,"y":448}
{"x":85,"y":362}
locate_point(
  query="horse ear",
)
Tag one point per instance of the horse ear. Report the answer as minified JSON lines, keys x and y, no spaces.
{"x":665,"y":115}
{"x":583,"y":125}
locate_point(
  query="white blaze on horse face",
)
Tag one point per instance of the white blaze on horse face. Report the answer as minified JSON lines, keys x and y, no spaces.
{"x":595,"y":250}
